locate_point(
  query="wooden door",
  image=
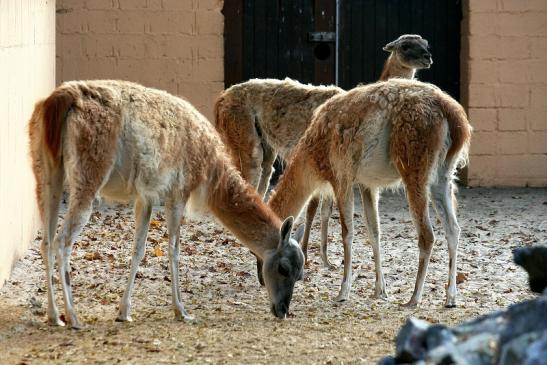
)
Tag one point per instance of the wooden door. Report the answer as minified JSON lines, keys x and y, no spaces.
{"x":367,"y":25}
{"x":278,"y":39}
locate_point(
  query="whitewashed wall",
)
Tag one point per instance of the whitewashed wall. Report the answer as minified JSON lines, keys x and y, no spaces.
{"x":27,"y":73}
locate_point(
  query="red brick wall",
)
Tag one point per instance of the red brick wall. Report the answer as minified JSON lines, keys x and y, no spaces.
{"x":504,"y":66}
{"x":175,"y":45}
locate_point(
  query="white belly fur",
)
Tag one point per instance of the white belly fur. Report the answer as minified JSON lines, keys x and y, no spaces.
{"x":376,"y":169}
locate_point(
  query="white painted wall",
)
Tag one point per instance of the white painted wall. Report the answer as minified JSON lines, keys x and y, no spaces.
{"x":27,"y":73}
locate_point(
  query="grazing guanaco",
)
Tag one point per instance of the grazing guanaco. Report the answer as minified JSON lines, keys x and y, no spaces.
{"x":126,"y":142}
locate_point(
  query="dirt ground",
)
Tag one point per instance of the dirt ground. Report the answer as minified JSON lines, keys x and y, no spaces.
{"x":220,"y":289}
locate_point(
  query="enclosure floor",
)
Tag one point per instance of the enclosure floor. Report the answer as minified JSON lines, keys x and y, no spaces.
{"x":233,"y":323}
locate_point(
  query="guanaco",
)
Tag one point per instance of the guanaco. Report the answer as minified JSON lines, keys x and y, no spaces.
{"x":126,"y":142}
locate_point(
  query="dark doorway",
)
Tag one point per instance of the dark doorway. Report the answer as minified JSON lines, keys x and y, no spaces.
{"x":367,"y":25}
{"x":297,"y":39}
{"x":278,"y":39}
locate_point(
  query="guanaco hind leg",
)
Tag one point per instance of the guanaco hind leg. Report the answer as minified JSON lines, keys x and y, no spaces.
{"x":441,"y":193}
{"x":370,"y":206}
{"x":143,"y":211}
{"x":52,"y":191}
{"x":79,"y":210}
{"x":268,"y":158}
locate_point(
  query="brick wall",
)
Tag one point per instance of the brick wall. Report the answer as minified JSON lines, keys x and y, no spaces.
{"x":174,"y":45}
{"x":27,"y":73}
{"x":504,"y":66}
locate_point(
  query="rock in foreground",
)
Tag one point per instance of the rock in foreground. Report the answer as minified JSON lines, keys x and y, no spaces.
{"x":516,"y":336}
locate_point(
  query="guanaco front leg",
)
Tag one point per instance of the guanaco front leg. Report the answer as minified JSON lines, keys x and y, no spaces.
{"x":310,"y":214}
{"x":345,"y":204}
{"x":325,"y":214}
{"x":259,"y":274}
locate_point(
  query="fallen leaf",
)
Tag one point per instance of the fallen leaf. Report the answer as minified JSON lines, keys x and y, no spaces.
{"x":158,"y":252}
{"x":243,"y":274}
{"x":461,"y":277}
{"x":155,"y":223}
{"x":91,"y":256}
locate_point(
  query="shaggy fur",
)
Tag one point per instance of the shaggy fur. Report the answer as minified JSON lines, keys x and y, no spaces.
{"x":379,"y":136}
{"x":262,"y":119}
{"x":408,"y":53}
{"x":125,"y":142}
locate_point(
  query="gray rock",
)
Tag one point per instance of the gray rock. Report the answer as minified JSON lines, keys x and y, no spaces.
{"x":410,"y":345}
{"x":528,"y":316}
{"x":536,"y":353}
{"x":388,"y":360}
{"x":516,"y":336}
{"x":477,"y":350}
{"x":438,"y":335}
{"x":492,"y":323}
{"x":515,"y":351}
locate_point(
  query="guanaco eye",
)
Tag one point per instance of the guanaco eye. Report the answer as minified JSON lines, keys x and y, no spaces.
{"x":282,"y":270}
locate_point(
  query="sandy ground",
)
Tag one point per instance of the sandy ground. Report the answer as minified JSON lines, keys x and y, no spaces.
{"x":233,"y":320}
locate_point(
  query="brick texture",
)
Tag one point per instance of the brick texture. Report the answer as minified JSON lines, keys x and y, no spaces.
{"x":504,"y":68}
{"x":27,"y":74}
{"x":175,"y":45}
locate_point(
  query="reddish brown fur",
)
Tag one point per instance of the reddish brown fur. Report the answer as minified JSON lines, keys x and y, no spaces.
{"x":35,"y":137}
{"x":55,"y":108}
{"x":234,"y":200}
{"x":228,"y":115}
{"x":460,"y":130}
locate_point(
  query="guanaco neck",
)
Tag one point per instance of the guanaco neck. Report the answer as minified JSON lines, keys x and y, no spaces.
{"x":294,"y":189}
{"x":392,"y":68}
{"x":240,"y":209}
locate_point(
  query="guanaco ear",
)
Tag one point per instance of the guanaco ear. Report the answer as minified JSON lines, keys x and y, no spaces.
{"x":390,"y":47}
{"x":285,"y":232}
{"x":299,"y":233}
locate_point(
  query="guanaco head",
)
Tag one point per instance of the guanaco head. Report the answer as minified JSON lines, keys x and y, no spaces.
{"x":282,"y":268}
{"x":411,"y":50}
